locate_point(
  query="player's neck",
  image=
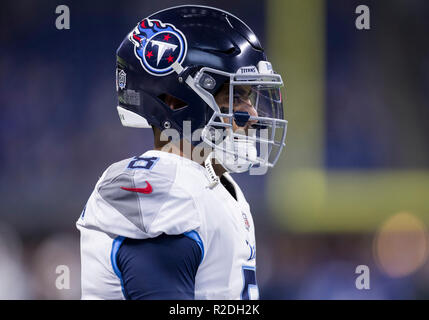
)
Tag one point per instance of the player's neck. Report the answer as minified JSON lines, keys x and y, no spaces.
{"x":168,"y":146}
{"x":218,"y":168}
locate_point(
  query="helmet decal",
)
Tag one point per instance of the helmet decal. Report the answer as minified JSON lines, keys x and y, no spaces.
{"x":157,"y":46}
{"x":121,"y":79}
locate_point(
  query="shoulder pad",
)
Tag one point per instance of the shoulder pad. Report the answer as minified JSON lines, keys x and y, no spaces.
{"x":143,"y":190}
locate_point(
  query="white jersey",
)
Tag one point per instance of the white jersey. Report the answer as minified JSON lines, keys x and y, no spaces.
{"x":174,"y":197}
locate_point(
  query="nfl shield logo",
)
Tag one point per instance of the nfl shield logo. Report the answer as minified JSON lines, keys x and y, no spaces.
{"x":246,"y":221}
{"x":122,"y":79}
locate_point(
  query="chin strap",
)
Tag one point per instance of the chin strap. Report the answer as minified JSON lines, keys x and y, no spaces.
{"x":213,"y":178}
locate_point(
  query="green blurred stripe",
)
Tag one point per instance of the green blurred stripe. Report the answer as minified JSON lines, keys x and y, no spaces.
{"x":296,"y":38}
{"x":319,"y":200}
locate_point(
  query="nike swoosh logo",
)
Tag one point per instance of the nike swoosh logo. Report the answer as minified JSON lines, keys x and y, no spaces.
{"x":146,"y":190}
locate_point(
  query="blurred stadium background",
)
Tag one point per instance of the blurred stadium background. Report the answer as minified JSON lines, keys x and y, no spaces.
{"x":352,"y":187}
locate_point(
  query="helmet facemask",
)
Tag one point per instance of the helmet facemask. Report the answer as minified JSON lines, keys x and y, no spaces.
{"x":247,"y":130}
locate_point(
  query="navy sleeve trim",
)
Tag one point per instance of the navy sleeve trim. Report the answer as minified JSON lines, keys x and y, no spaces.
{"x":196,"y":237}
{"x":161,"y":268}
{"x":115,"y":248}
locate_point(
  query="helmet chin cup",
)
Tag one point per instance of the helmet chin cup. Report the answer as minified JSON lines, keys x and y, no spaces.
{"x":236,"y":155}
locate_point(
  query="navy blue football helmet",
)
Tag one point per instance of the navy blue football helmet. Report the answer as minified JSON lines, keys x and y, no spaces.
{"x":189,"y":53}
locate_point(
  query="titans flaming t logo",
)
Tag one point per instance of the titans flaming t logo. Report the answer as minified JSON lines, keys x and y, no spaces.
{"x":158,"y":46}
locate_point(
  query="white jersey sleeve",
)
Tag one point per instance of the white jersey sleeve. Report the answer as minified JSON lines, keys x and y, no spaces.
{"x":137,"y":198}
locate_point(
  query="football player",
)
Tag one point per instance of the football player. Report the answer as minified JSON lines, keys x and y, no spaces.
{"x":172,"y":223}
